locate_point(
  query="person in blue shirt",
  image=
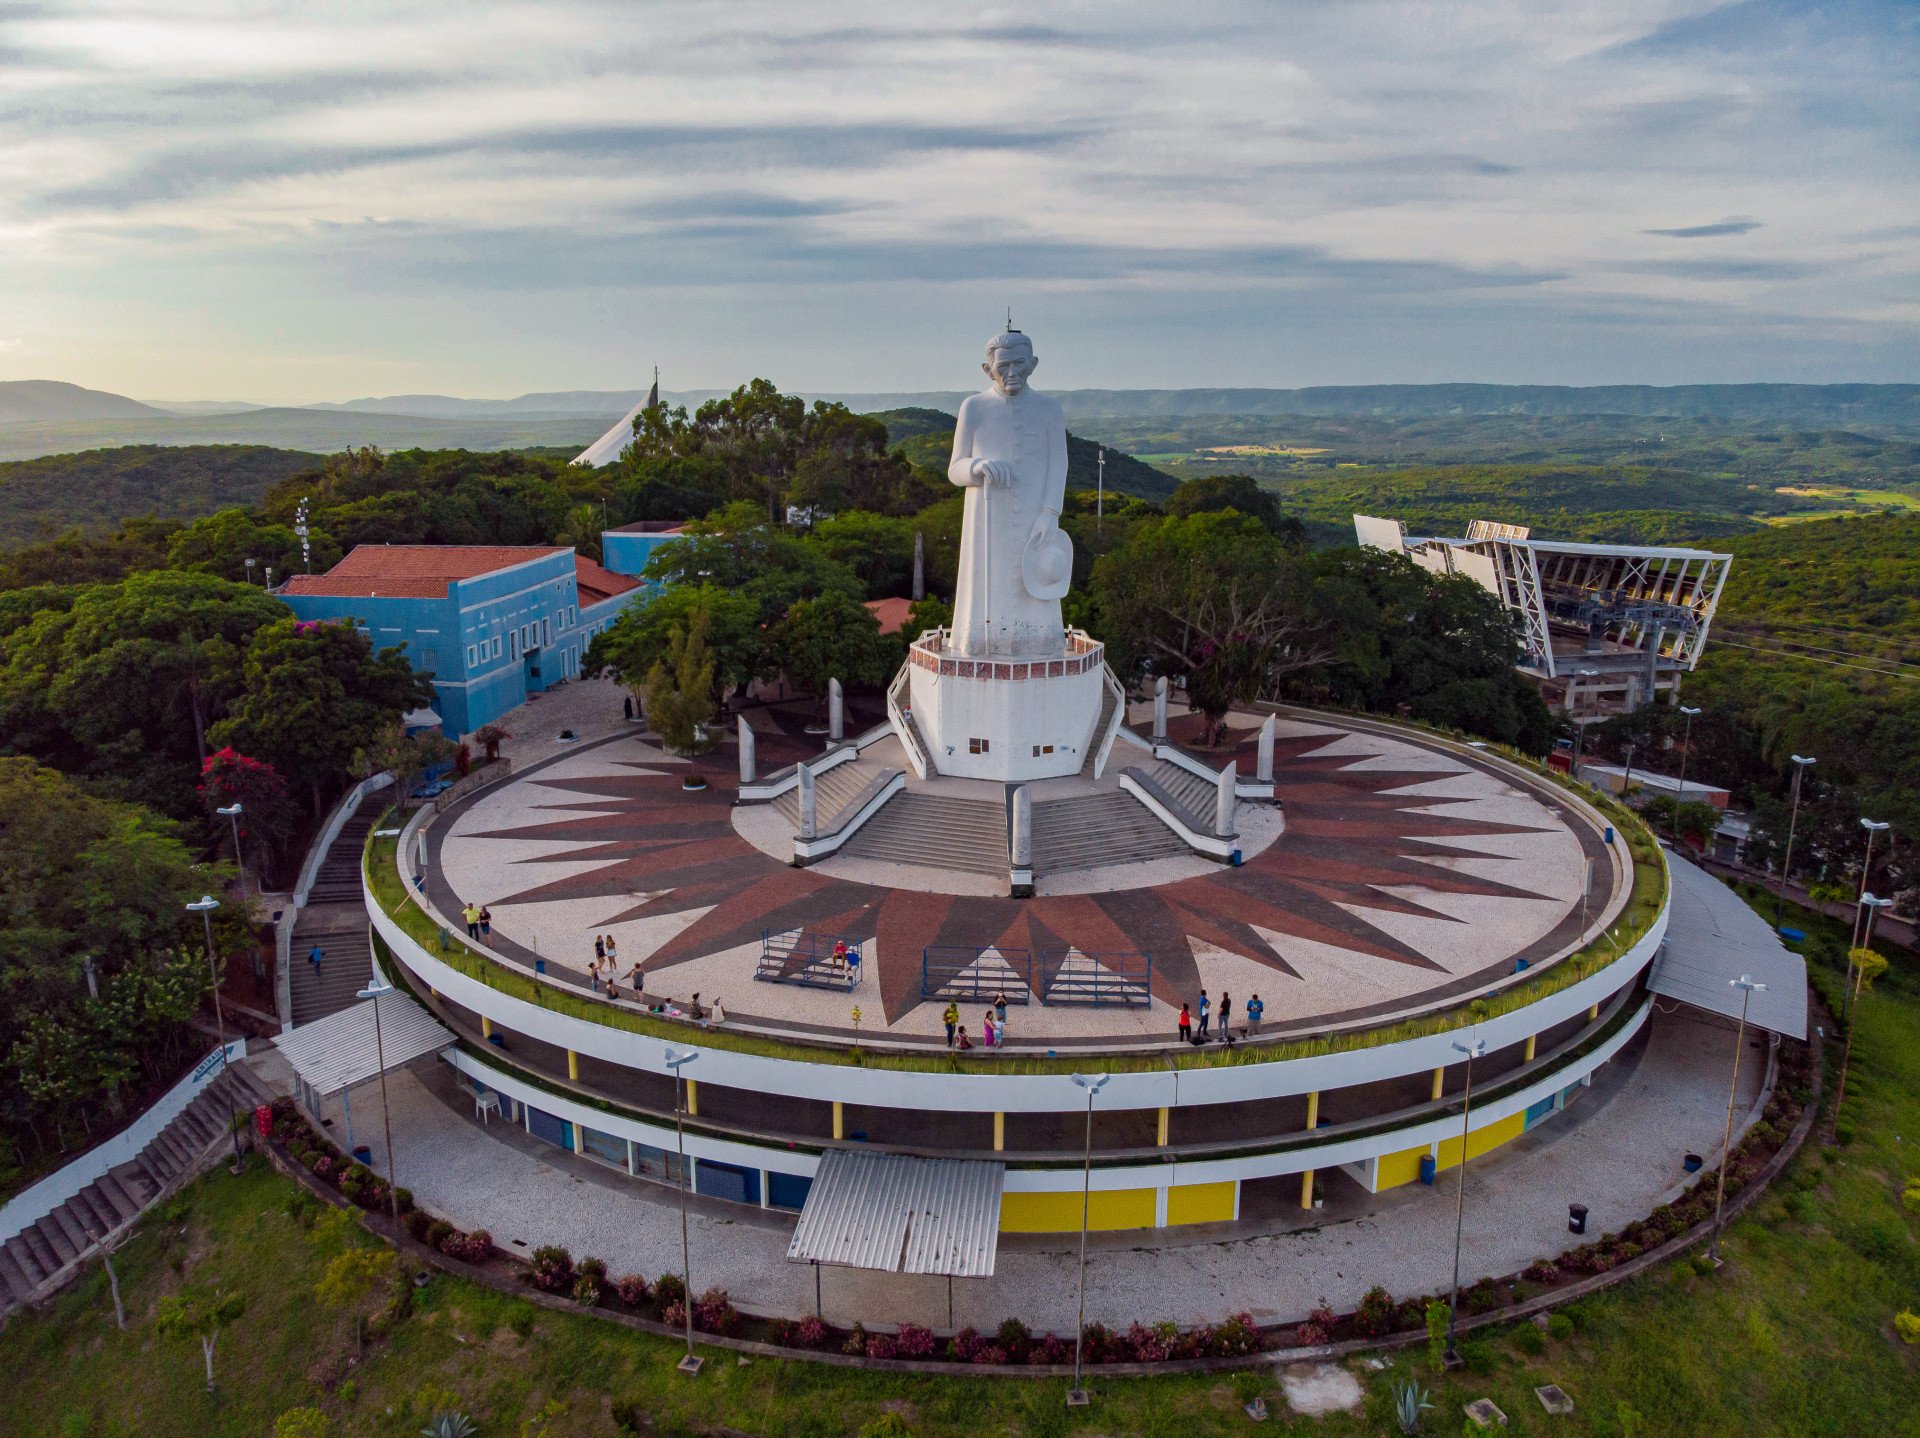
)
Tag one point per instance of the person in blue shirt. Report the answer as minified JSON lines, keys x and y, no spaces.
{"x":1254,"y":1010}
{"x":1206,"y":1014}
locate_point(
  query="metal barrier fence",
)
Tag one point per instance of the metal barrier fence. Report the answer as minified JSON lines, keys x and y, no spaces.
{"x":813,"y":961}
{"x":1075,"y":976}
{"x":958,"y":971}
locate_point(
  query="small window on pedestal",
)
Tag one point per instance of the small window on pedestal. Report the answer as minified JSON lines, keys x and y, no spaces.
{"x":976,"y":746}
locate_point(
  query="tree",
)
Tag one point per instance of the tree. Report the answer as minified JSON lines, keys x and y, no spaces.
{"x":642,"y":636}
{"x":305,"y":1422}
{"x":221,"y":544}
{"x":200,"y":1313}
{"x":739,"y":551}
{"x":680,"y":687}
{"x":878,"y":549}
{"x":405,"y":756}
{"x":315,"y":697}
{"x":265,"y":821}
{"x":1217,"y":598}
{"x":1241,"y":492}
{"x":353,"y":1276}
{"x":832,"y":637}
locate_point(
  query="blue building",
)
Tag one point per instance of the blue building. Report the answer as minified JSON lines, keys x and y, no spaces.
{"x":490,"y":623}
{"x":627,"y":549}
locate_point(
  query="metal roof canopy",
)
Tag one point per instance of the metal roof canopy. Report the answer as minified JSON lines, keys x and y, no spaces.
{"x":337,"y":1052}
{"x":1713,"y":937}
{"x":901,"y":1214}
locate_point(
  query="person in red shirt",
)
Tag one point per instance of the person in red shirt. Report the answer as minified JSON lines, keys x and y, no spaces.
{"x":1186,"y":1024}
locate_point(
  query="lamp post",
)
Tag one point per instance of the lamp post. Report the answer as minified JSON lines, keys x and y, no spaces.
{"x":1579,"y":729}
{"x":677,"y":1060}
{"x":375,"y":990}
{"x":1866,"y":870}
{"x":1077,"y":1395}
{"x":204,"y":907}
{"x":1472,"y":1051}
{"x":1686,"y":749}
{"x":1800,"y":765}
{"x":1850,"y":1002}
{"x":250,"y":563}
{"x":1748,"y":988}
{"x":231,"y":813}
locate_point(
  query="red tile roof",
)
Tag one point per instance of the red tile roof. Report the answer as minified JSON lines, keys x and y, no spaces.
{"x":892,"y":613}
{"x":596,"y":583}
{"x":413,"y":571}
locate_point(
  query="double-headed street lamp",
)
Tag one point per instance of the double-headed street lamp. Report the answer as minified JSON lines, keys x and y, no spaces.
{"x":1077,"y":1395}
{"x":1850,"y":1001}
{"x":376,"y":990}
{"x":1873,"y":828}
{"x":1748,"y":988}
{"x":677,"y":1060}
{"x":204,"y":907}
{"x":1686,"y":748}
{"x":1473,"y":1051}
{"x":1801,"y":763}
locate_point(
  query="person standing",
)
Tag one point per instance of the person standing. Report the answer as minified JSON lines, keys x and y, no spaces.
{"x":599,"y":947}
{"x":626,"y":708}
{"x":1254,"y":1010}
{"x":1186,"y":1023}
{"x":1000,"y":1008}
{"x":950,"y":1016}
{"x":613,"y":952}
{"x":593,"y":975}
{"x":986,"y":1029}
{"x":1226,"y":1014}
{"x":1206,"y":1014}
{"x":314,"y":956}
{"x":486,"y":922}
{"x":472,"y":915}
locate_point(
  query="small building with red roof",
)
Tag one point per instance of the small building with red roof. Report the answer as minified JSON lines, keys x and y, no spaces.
{"x":489,"y":623}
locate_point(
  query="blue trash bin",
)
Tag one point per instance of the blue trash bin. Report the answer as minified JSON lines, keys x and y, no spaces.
{"x":1428,"y":1168}
{"x":363,"y":1153}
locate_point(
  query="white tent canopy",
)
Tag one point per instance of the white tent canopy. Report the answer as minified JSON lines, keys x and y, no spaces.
{"x":337,"y":1052}
{"x":900,"y":1214}
{"x":1713,"y":938}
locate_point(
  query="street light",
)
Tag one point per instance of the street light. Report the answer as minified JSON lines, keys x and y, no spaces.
{"x":1748,"y":988}
{"x":1473,"y":1051}
{"x":204,"y":907}
{"x":1579,"y":729}
{"x":1077,"y":1395}
{"x":1800,"y":766}
{"x":1866,"y":870}
{"x":375,"y":990}
{"x":232,"y":814}
{"x":1686,"y":748}
{"x":1626,"y":776}
{"x":1850,"y":1002}
{"x":676,"y":1061}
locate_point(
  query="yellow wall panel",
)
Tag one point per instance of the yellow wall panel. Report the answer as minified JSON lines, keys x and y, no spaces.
{"x":1482,"y":1139}
{"x":1060,"y":1212}
{"x":1200,"y":1202}
{"x":1398,"y":1168}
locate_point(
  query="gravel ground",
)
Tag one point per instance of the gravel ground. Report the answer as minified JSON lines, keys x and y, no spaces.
{"x":1618,"y":1150}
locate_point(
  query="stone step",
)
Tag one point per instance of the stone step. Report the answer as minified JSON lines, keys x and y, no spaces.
{"x":1099,"y":731}
{"x":832,"y":791}
{"x":1194,"y":794}
{"x":20,"y":1254}
{"x":68,"y":1221}
{"x":937,"y":830}
{"x":1094,"y":830}
{"x":15,"y":1283}
{"x":96,"y":1214}
{"x":55,"y":1236}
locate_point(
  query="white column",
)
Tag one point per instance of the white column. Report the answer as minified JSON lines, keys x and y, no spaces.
{"x":1022,"y":829}
{"x":748,"y":767}
{"x":807,"y":809}
{"x":1264,"y":772}
{"x":1160,"y":710}
{"x":836,"y":712}
{"x":919,"y":566}
{"x":1223,"y":800}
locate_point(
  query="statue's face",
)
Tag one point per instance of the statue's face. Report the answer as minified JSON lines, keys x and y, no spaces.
{"x":1008,"y":369}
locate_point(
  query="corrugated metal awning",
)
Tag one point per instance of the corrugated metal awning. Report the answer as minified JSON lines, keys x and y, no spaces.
{"x":902,"y":1214}
{"x":339,"y":1051}
{"x":1713,"y":937}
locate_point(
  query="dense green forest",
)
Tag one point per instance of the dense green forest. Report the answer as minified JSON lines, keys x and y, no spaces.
{"x":97,"y":488}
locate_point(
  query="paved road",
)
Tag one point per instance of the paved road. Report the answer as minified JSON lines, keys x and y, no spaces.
{"x":1618,"y":1150}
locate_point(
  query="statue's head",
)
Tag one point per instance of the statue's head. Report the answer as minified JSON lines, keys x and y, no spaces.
{"x":1010,"y":359}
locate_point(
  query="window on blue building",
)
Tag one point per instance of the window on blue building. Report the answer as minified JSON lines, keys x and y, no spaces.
{"x":473,"y":655}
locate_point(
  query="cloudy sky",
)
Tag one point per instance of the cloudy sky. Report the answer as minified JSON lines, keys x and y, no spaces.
{"x":287,"y":203}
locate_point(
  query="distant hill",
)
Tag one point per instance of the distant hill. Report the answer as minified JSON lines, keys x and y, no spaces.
{"x":927,"y":437}
{"x":97,"y":489}
{"x":26,"y":400}
{"x":304,"y":429}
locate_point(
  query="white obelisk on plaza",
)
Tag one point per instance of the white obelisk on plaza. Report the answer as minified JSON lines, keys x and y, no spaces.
{"x":1008,"y":693}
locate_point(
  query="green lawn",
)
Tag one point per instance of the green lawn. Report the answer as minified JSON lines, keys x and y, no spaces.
{"x":1794,"y":1336}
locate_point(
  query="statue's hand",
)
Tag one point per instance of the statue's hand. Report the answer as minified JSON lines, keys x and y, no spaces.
{"x":993,"y":471}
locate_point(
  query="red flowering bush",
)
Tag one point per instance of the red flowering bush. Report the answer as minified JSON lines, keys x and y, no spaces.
{"x":810,"y":1333}
{"x":1050,"y":1350}
{"x":915,"y":1341}
{"x":1311,"y":1335}
{"x":553,"y":1268}
{"x":1144,"y":1345}
{"x":881,"y":1345}
{"x":713,"y":1312}
{"x":633,"y":1289}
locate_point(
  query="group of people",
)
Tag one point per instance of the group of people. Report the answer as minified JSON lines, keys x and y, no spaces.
{"x":1192,"y":1034}
{"x":993,"y":1027}
{"x":479,"y":920}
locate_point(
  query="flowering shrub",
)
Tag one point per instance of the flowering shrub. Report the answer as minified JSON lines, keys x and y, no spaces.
{"x":856,"y":1343}
{"x":810,"y":1333}
{"x":1050,"y":1350}
{"x":1015,"y":1337}
{"x":1375,"y":1313}
{"x":960,"y":1347}
{"x":917,"y":1342}
{"x":674,"y":1314}
{"x":633,"y":1289}
{"x":415,"y":1223}
{"x":713,"y":1312}
{"x":553,"y":1268}
{"x":882,"y":1346}
{"x":1236,"y":1337}
{"x":668,"y":1289}
{"x":989,"y":1353}
{"x":475,"y":1247}
{"x":437,"y":1233}
{"x":1101,"y":1345}
{"x":1323,"y":1316}
{"x":1144,"y":1345}
{"x":587,"y":1289}
{"x":1311,"y":1335}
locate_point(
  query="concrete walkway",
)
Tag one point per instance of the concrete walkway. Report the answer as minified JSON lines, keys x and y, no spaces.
{"x":1618,"y":1149}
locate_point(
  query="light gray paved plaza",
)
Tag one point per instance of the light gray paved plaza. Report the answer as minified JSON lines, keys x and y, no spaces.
{"x":1617,"y":1149}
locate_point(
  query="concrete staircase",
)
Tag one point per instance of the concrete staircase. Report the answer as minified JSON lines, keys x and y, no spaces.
{"x":1197,"y":796}
{"x":938,"y":830}
{"x":1107,"y":703}
{"x":335,"y":918}
{"x":338,"y":881}
{"x":35,"y":1260}
{"x":1091,"y":830}
{"x":832,"y":792}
